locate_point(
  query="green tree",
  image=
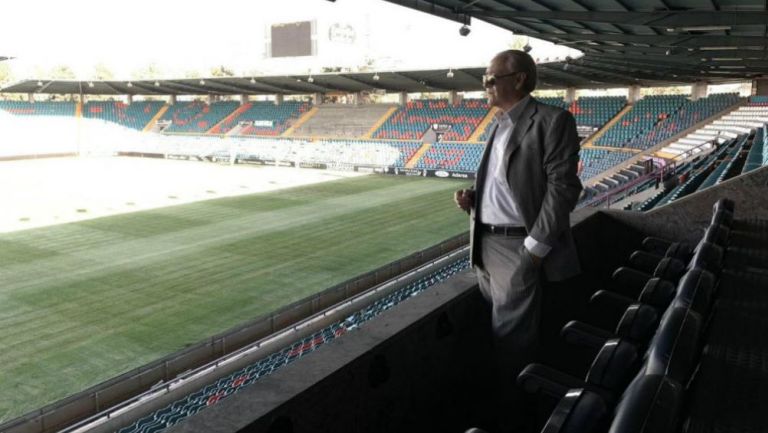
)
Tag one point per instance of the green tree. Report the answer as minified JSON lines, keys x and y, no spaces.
{"x":222,"y":71}
{"x":149,"y":72}
{"x":6,"y":76}
{"x":62,"y":72}
{"x":102,"y":72}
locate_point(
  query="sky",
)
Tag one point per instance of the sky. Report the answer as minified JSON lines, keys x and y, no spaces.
{"x":179,"y":37}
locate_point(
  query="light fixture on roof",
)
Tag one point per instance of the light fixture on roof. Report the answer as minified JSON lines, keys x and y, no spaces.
{"x":298,"y":80}
{"x":90,"y":84}
{"x":157,"y":84}
{"x":464,"y":30}
{"x":450,"y":73}
{"x":702,"y":28}
{"x":718,"y":48}
{"x":130,"y":84}
{"x":253,"y":80}
{"x":310,"y":79}
{"x":527,"y":47}
{"x":727,"y":59}
{"x":202,"y":82}
{"x":40,"y":83}
{"x":376,"y":77}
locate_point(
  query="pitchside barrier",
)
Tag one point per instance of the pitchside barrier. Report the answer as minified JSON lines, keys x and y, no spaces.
{"x":92,"y":401}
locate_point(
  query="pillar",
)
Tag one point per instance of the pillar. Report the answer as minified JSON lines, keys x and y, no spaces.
{"x":317,"y":99}
{"x":453,"y":98}
{"x":210,"y":99}
{"x":699,"y":90}
{"x":570,"y":95}
{"x":633,"y":94}
{"x":278,"y":99}
{"x":30,"y":97}
{"x":171,"y":99}
{"x":129,"y":99}
{"x":760,"y":86}
{"x":244,"y":99}
{"x":402,"y":98}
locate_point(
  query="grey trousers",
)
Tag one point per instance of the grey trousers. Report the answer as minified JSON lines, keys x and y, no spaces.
{"x":510,"y":282}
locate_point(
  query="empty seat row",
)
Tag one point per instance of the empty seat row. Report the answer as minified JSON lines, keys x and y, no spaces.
{"x":667,"y":335}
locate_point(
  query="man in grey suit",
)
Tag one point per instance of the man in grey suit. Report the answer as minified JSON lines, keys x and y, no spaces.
{"x":526,"y":187}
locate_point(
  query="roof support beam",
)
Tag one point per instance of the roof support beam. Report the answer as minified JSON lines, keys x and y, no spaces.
{"x":662,"y":19}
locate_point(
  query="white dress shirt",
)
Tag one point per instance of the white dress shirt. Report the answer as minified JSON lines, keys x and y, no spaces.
{"x":498,"y":207}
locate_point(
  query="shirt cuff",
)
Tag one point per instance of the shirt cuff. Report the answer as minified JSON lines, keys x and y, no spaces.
{"x":536,"y":248}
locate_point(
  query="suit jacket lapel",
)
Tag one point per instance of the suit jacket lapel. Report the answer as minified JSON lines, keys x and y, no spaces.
{"x":522,"y":126}
{"x":483,"y":168}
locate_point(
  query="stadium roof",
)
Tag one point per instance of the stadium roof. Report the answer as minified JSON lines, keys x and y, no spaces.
{"x":551,"y":75}
{"x":656,"y":41}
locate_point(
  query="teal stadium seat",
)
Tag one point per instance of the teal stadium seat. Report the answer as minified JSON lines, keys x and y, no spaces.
{"x":135,"y":116}
{"x":197,"y":116}
{"x":46,"y":108}
{"x":416,"y":117}
{"x":266,"y":118}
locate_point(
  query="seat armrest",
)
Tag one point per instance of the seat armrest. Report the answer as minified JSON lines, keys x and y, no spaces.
{"x":538,"y":378}
{"x":582,"y":334}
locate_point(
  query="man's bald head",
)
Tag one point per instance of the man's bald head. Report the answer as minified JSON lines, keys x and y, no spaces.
{"x":519,"y":61}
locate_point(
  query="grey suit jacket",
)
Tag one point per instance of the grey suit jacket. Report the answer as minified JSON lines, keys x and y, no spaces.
{"x":542,"y":157}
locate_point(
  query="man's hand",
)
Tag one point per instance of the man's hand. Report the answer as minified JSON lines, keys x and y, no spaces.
{"x":464,"y":199}
{"x":535,"y":259}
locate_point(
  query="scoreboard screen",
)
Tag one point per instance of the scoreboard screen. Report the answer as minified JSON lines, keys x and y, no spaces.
{"x":292,"y":39}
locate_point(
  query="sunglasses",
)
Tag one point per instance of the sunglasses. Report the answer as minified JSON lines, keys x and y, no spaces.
{"x":489,"y":80}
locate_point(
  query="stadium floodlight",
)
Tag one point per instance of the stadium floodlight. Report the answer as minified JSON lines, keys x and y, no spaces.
{"x":376,"y":77}
{"x":253,"y":80}
{"x":157,"y":84}
{"x":718,"y":48}
{"x":202,"y":82}
{"x":450,"y":73}
{"x":310,"y":79}
{"x":90,"y":84}
{"x":40,"y":83}
{"x":701,"y":29}
{"x":130,"y":84}
{"x":727,"y":59}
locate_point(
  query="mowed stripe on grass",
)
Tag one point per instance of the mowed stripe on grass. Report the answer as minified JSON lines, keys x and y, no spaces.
{"x":83,"y":302}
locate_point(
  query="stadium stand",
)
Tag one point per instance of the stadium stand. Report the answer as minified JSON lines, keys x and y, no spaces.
{"x":342,"y":120}
{"x":689,"y":114}
{"x":758,"y":153}
{"x":453,"y":156}
{"x":641,"y":119}
{"x":590,"y":112}
{"x":42,"y":108}
{"x":263,"y":118}
{"x":702,"y":172}
{"x":412,"y":121}
{"x":197,"y":116}
{"x":136,"y":115}
{"x":597,"y":161}
{"x":728,"y":126}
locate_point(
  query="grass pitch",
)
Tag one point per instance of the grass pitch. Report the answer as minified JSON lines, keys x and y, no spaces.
{"x":83,"y":302}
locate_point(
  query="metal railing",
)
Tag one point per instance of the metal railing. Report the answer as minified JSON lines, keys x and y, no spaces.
{"x":610,"y":195}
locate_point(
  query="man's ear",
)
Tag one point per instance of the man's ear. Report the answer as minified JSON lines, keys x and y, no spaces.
{"x":521,"y":78}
